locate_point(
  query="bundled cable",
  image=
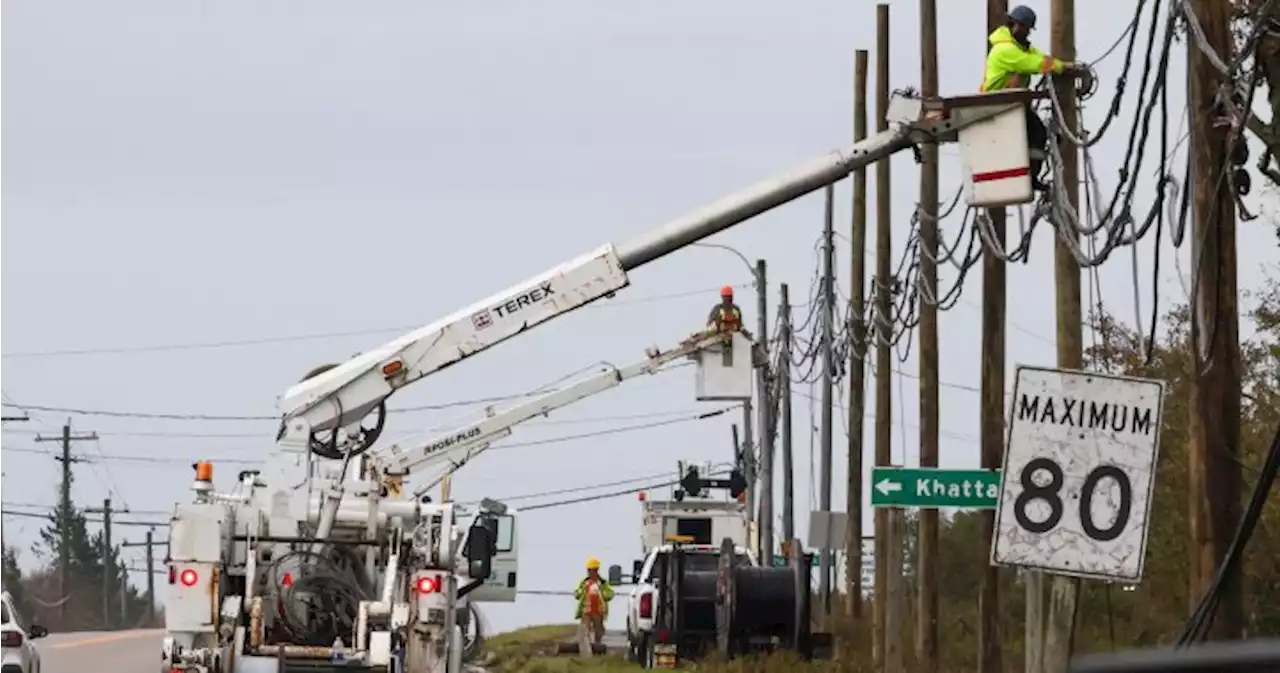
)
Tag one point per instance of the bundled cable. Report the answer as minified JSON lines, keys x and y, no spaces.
{"x":1197,"y":627}
{"x":320,"y":603}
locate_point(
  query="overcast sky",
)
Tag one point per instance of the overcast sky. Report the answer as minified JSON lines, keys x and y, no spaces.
{"x":183,"y":173}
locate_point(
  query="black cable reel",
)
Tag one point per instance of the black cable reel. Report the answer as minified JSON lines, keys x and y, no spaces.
{"x":760,"y":605}
{"x":325,"y":443}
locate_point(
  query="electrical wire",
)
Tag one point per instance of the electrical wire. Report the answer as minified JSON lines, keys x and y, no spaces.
{"x":230,"y":343}
{"x":1197,"y":627}
{"x":323,"y":589}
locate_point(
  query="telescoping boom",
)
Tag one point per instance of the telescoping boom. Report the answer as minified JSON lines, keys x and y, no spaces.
{"x":460,"y":444}
{"x":345,"y":394}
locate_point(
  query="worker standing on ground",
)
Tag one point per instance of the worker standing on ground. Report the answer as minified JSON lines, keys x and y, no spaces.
{"x":726,"y":316}
{"x":1011,"y":62}
{"x":593,"y":596}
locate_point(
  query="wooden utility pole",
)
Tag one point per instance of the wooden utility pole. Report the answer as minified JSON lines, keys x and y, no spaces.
{"x":784,"y":389}
{"x":4,"y":546}
{"x":749,"y":464}
{"x":828,"y":394}
{"x":927,"y":544}
{"x":1215,"y":412}
{"x":857,"y":354}
{"x":64,"y":506}
{"x":1060,"y":620}
{"x":991,"y":414}
{"x":151,"y":581}
{"x":124,"y":599}
{"x":108,"y":558}
{"x":888,"y":593}
{"x":763,"y":422}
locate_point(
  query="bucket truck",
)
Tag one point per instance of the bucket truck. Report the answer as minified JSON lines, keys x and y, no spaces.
{"x":320,"y":560}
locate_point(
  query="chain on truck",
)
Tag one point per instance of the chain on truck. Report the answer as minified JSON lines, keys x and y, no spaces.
{"x":324,"y":559}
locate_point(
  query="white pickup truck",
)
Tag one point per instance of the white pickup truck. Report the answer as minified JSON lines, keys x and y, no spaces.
{"x":643,"y":605}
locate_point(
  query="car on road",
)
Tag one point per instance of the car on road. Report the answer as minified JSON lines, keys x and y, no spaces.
{"x":19,"y":653}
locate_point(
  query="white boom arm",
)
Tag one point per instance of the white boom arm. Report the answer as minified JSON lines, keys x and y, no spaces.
{"x":461,"y":444}
{"x":342,"y":396}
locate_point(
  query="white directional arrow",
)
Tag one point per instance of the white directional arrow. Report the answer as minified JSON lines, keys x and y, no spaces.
{"x":886,"y":486}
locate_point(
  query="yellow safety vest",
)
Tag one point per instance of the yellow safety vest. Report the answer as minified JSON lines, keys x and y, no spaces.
{"x":1010,"y":65}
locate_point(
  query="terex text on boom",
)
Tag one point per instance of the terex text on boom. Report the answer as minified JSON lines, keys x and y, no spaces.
{"x":1090,"y":414}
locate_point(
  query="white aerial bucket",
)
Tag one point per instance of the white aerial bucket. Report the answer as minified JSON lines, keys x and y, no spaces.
{"x":726,"y":371}
{"x":997,"y":164}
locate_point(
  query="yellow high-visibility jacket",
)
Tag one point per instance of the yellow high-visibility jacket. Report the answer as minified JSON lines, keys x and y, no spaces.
{"x":606,"y":595}
{"x":1009,"y":65}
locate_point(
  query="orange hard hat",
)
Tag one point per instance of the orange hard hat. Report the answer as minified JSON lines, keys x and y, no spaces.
{"x":726,"y":291}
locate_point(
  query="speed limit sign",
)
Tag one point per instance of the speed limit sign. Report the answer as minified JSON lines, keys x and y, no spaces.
{"x":1079,"y":470}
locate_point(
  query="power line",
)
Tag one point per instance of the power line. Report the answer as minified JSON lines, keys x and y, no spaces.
{"x":157,"y":348}
{"x":112,"y":413}
{"x":535,"y":442}
{"x":114,"y":522}
{"x":259,"y":435}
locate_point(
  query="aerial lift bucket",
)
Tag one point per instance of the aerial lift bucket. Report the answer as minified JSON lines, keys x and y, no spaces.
{"x":994,"y":151}
{"x":726,"y":372}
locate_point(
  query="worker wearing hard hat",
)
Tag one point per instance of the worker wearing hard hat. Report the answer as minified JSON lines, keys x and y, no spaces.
{"x":726,"y":316}
{"x":1011,"y":62}
{"x":593,"y":594}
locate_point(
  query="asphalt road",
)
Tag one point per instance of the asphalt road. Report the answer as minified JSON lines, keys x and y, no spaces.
{"x":115,"y":651}
{"x":139,"y":651}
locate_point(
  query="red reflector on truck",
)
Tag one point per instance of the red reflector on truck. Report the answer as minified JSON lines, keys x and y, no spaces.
{"x":188,"y":577}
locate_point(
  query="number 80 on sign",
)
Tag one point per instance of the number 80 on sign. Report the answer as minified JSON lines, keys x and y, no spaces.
{"x":1078,"y":474}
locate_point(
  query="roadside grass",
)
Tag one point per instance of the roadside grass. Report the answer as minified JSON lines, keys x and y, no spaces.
{"x":533,"y":650}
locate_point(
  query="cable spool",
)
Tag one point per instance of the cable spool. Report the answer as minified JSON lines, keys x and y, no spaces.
{"x":761,"y":602}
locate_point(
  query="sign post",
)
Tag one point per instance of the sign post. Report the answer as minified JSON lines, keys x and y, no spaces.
{"x":1079,"y":470}
{"x":931,"y":488}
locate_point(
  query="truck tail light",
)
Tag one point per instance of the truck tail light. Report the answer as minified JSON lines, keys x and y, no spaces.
{"x":646,"y":606}
{"x":11,"y":639}
{"x":427,"y":584}
{"x":173,"y":575}
{"x":188,"y":577}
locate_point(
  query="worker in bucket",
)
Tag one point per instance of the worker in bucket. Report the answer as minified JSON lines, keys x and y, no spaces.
{"x":593,"y":594}
{"x":1011,"y":61}
{"x":726,"y":316}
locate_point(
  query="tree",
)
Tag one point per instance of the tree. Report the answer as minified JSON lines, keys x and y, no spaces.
{"x":1154,"y":611}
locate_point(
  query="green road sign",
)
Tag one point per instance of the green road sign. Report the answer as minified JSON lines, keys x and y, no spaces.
{"x":780,"y":561}
{"x":933,"y":487}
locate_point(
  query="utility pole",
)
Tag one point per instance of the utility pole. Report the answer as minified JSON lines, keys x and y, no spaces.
{"x":1215,"y":336}
{"x":888,"y":545}
{"x":1060,"y":620}
{"x":749,"y":461}
{"x":151,"y":581}
{"x":64,"y":513}
{"x":857,"y":354}
{"x":991,"y":417}
{"x":108,"y":558}
{"x":124,"y":603}
{"x":828,"y":363}
{"x":4,"y":546}
{"x":763,"y":422}
{"x":784,"y":389}
{"x":927,"y":545}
